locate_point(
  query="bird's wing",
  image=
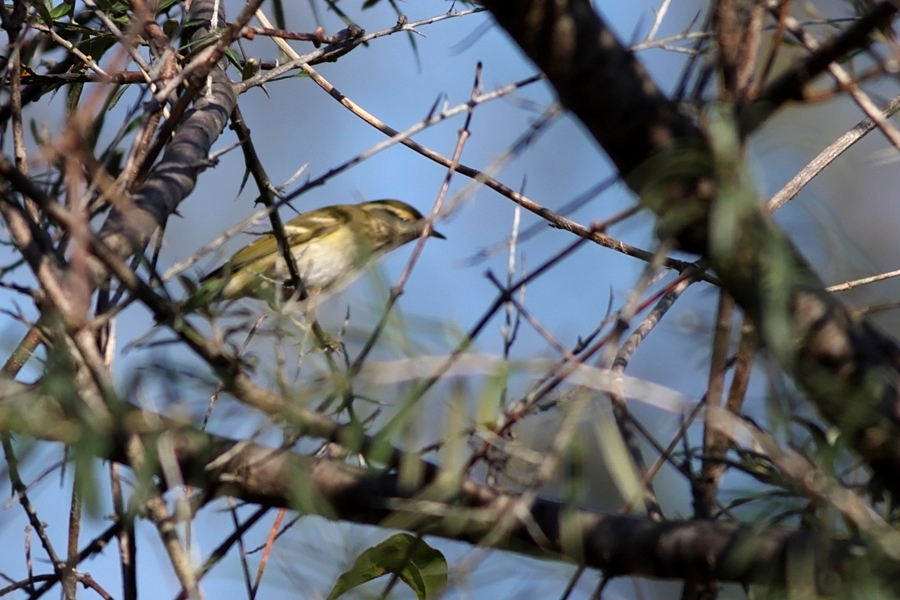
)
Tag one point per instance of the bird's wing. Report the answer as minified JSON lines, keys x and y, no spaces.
{"x":258,"y":249}
{"x":316,"y":223}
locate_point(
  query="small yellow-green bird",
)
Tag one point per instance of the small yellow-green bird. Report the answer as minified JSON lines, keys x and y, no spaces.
{"x":330,"y":245}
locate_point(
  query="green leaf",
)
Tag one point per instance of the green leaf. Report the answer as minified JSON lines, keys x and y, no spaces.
{"x":234,"y":59}
{"x":165,"y":5}
{"x":44,"y":13}
{"x":114,"y":99}
{"x":348,"y":21}
{"x":278,"y":14}
{"x":72,"y":98}
{"x":67,"y":7}
{"x":417,"y":564}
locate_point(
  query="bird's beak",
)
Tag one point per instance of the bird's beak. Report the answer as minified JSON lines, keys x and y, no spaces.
{"x":438,"y":235}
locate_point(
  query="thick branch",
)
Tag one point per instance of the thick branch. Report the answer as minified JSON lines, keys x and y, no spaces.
{"x":464,"y":511}
{"x":847,"y":367}
{"x":792,"y":83}
{"x":597,"y":78}
{"x":132,"y":222}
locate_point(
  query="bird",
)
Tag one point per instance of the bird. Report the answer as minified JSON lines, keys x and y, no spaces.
{"x":330,"y":246}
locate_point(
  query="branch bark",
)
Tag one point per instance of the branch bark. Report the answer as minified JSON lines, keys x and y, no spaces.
{"x":847,"y":367}
{"x":132,"y":221}
{"x":443,"y":505}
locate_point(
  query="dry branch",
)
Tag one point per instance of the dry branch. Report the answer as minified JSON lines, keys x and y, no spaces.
{"x":848,"y":368}
{"x":133,"y":221}
{"x":443,"y":505}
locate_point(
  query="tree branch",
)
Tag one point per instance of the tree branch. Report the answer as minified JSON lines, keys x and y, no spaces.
{"x":443,"y":505}
{"x":132,"y":222}
{"x":847,"y":367}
